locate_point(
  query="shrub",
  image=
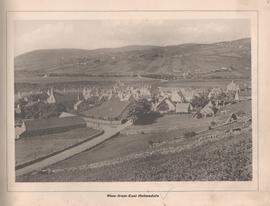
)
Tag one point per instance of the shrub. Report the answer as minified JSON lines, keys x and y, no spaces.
{"x":189,"y":134}
{"x":213,"y":123}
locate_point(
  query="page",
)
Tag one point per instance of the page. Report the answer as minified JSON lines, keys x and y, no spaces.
{"x":141,"y":103}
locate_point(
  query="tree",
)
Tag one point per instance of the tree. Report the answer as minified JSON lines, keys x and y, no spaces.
{"x":139,"y":109}
{"x":198,"y":102}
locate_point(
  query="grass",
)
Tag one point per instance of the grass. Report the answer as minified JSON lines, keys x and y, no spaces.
{"x":138,"y":138}
{"x":124,"y":144}
{"x":165,"y":129}
{"x":30,"y":148}
{"x":168,"y":131}
{"x":155,"y":60}
{"x":228,"y":159}
{"x":181,"y":122}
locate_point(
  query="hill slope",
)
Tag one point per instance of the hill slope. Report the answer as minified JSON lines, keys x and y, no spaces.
{"x":202,"y":59}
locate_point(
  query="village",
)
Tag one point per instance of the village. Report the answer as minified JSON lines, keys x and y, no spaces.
{"x":54,"y":120}
{"x":116,"y":105}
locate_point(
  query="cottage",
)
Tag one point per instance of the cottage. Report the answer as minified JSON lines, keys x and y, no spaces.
{"x":70,"y":100}
{"x":233,"y":87}
{"x":50,"y":125}
{"x":18,"y":109}
{"x":51,"y":98}
{"x":206,"y":111}
{"x":165,"y":106}
{"x":183,"y":108}
{"x":177,"y":96}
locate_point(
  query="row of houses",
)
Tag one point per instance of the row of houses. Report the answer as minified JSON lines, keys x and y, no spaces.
{"x":166,"y":99}
{"x":49,"y":126}
{"x":112,"y":105}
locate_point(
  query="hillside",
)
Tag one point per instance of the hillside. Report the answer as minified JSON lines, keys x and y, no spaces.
{"x":203,"y":60}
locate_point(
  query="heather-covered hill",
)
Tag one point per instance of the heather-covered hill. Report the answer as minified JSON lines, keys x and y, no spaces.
{"x":231,"y":59}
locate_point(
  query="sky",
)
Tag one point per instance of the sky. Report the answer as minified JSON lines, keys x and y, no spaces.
{"x":93,"y":34}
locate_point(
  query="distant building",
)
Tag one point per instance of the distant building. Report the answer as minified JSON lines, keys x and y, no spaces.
{"x":18,"y":109}
{"x":236,"y":97}
{"x":165,"y":106}
{"x":70,"y":100}
{"x":51,"y":98}
{"x":233,"y":87}
{"x":207,"y":110}
{"x":177,"y":97}
{"x":45,"y":75}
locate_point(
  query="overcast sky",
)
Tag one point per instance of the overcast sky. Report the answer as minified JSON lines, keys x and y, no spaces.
{"x":92,"y":34}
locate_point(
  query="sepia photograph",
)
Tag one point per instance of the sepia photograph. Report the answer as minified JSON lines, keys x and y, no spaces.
{"x":133,"y":100}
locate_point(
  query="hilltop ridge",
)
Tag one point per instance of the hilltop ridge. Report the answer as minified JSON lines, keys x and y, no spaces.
{"x":204,"y":59}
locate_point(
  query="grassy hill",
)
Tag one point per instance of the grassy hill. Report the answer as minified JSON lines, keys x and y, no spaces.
{"x":202,"y":60}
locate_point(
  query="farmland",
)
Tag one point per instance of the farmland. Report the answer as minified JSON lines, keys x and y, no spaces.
{"x":224,"y":159}
{"x":138,"y":138}
{"x":31,"y":148}
{"x":125,"y":144}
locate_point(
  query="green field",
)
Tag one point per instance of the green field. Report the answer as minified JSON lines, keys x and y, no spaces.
{"x":31,"y":148}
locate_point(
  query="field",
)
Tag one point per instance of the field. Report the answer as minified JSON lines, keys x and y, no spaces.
{"x":124,"y":144}
{"x":62,"y":79}
{"x":225,"y":159}
{"x":139,"y":138}
{"x":31,"y":148}
{"x":27,"y":84}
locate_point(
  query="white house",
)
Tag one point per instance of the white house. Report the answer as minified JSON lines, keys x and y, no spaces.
{"x":233,"y":87}
{"x":18,"y":109}
{"x":177,"y":96}
{"x":19,"y":130}
{"x":169,"y":106}
{"x":51,"y":98}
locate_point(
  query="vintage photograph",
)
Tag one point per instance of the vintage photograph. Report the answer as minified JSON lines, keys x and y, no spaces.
{"x":133,"y":100}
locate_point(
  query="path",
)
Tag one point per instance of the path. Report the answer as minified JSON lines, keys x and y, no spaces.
{"x":108,"y":133}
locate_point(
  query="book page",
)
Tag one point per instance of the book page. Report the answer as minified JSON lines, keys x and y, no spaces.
{"x":140,"y":103}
